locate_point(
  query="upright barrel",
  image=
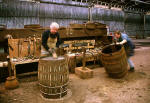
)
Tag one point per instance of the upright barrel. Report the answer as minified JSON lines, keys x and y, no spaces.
{"x":114,"y":60}
{"x":53,"y":77}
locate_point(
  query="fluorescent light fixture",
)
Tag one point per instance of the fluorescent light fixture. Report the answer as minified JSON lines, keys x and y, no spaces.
{"x":101,"y":6}
{"x":28,"y":0}
{"x":107,"y":7}
{"x":115,"y":8}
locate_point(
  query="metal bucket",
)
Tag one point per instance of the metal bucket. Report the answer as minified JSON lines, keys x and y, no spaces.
{"x":53,"y":77}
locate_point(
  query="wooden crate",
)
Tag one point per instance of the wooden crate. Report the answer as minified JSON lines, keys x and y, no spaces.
{"x":89,"y":44}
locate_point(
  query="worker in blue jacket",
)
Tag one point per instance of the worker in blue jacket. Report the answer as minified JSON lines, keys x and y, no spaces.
{"x":123,"y":39}
{"x":50,"y":40}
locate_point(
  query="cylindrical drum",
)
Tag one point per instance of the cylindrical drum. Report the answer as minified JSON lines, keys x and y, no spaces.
{"x":71,"y":58}
{"x":53,"y":77}
{"x":114,"y":60}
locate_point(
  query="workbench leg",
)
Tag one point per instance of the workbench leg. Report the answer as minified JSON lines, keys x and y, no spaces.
{"x":14,"y":69}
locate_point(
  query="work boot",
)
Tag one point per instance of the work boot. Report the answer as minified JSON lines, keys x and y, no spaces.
{"x":131,"y":69}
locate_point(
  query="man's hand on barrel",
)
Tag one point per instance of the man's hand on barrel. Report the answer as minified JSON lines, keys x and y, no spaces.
{"x":53,"y":52}
{"x":50,"y":50}
{"x":54,"y":55}
{"x":117,"y":43}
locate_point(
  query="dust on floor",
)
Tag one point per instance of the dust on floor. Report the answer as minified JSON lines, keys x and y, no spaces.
{"x":133,"y":88}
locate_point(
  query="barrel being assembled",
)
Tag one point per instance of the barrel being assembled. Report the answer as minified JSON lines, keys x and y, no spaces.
{"x":53,"y":77}
{"x":114,"y":60}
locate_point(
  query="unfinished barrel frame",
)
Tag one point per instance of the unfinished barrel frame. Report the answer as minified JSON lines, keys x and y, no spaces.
{"x":53,"y":77}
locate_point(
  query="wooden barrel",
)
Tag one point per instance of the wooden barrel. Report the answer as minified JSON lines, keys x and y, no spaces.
{"x":53,"y":77}
{"x":71,"y":59}
{"x":114,"y":60}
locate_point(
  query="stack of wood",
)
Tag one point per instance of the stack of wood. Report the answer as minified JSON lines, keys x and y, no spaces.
{"x":2,"y":27}
{"x":33,"y":26}
{"x":83,"y":30}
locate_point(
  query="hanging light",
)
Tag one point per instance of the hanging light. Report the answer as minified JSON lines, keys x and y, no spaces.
{"x":28,"y":0}
{"x":118,"y":8}
{"x":102,"y":5}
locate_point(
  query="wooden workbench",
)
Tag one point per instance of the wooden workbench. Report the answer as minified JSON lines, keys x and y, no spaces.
{"x":76,"y":58}
{"x":13,"y":64}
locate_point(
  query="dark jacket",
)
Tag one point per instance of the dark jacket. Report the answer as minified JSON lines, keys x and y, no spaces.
{"x":46,"y":34}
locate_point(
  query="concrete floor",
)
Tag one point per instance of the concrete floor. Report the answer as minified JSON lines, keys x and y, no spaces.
{"x":133,"y":88}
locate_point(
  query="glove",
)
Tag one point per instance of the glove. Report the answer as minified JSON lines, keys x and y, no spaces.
{"x":112,"y":44}
{"x":118,"y":43}
{"x":51,"y":50}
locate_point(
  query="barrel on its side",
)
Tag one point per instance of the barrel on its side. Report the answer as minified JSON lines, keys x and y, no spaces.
{"x":53,"y":77}
{"x":114,"y":60}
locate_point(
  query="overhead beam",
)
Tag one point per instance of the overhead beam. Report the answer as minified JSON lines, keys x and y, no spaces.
{"x":141,"y":1}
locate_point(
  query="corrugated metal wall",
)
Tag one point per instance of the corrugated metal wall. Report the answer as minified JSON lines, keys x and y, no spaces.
{"x":134,"y":24}
{"x":147,"y":25}
{"x":62,"y":14}
{"x":114,"y":19}
{"x":17,"y":14}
